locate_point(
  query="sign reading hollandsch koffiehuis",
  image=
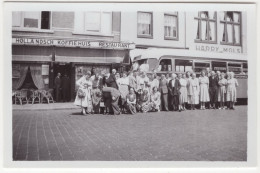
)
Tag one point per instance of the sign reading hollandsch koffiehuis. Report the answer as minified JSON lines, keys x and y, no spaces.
{"x":72,"y":43}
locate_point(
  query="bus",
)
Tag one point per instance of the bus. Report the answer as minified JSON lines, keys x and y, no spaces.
{"x":160,"y":62}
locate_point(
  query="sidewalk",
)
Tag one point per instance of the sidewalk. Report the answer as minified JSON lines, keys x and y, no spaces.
{"x":45,"y":106}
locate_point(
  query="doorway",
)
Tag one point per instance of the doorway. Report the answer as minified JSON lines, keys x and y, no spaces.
{"x":64,"y":94}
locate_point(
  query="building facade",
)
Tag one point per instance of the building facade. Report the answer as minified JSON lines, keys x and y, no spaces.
{"x":183,"y":41}
{"x":45,"y":43}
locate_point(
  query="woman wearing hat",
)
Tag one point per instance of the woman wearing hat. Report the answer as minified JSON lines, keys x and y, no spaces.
{"x":83,"y":97}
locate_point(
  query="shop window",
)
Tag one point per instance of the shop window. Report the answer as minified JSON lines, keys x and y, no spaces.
{"x":93,"y":22}
{"x":100,"y":22}
{"x":219,"y":66}
{"x":230,"y":24}
{"x":171,"y":26}
{"x":166,"y":65}
{"x":31,"y":20}
{"x":245,"y":68}
{"x":235,"y":67}
{"x":206,"y":27}
{"x":183,"y":65}
{"x":200,"y":66}
{"x":144,"y":24}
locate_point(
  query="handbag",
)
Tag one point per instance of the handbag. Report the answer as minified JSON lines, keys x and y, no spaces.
{"x":81,"y":93}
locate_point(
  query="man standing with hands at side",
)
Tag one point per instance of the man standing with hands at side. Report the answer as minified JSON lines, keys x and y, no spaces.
{"x":163,"y":85}
{"x":57,"y":87}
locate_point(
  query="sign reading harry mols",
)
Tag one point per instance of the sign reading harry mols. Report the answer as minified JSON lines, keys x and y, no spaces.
{"x":72,"y":43}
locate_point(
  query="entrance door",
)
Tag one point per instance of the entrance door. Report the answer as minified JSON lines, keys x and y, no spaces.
{"x":64,"y":94}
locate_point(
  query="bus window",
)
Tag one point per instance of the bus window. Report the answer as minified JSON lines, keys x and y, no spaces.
{"x":219,"y":66}
{"x":235,"y":67}
{"x":166,"y":65}
{"x":245,"y":69}
{"x":200,"y":66}
{"x":183,"y":65}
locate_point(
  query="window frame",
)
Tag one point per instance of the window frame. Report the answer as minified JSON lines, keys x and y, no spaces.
{"x":201,"y":61}
{"x":179,"y":59}
{"x":233,"y":33}
{"x":208,"y":20}
{"x":231,"y":62}
{"x":38,"y":29}
{"x":142,"y":35}
{"x":100,"y":23}
{"x":177,"y":26}
{"x":171,"y":60}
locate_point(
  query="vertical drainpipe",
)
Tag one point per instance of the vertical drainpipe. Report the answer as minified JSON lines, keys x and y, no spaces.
{"x":185,"y":30}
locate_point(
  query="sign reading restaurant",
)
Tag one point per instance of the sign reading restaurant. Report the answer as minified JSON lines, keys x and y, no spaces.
{"x":72,"y":43}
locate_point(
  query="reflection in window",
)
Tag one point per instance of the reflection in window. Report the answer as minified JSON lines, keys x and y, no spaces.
{"x":219,"y":66}
{"x":144,"y":24}
{"x":235,"y":67}
{"x":183,"y":65}
{"x":37,"y":20}
{"x":166,"y":65}
{"x":206,"y":26}
{"x":170,"y":26}
{"x":200,"y":66}
{"x":230,"y":25}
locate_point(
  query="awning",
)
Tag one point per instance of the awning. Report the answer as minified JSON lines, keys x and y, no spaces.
{"x":31,"y":58}
{"x":101,"y":60}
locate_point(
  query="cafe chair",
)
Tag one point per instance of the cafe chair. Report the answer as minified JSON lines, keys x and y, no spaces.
{"x":35,"y":95}
{"x":47,"y":95}
{"x":21,"y":96}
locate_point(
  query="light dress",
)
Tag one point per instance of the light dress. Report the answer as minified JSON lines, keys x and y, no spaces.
{"x":204,"y":89}
{"x":232,"y":90}
{"x":183,"y":98}
{"x":194,"y":90}
{"x":222,"y":90}
{"x":86,"y":87}
{"x":189,"y":90}
{"x":123,"y":86}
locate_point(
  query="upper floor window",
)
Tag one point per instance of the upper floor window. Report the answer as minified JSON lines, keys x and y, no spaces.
{"x":206,"y":27}
{"x":93,"y":22}
{"x":171,"y":26}
{"x":230,"y":25}
{"x":145,"y":24}
{"x":31,"y":20}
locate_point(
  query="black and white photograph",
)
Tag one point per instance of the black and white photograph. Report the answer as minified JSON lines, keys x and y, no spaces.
{"x":110,"y":83}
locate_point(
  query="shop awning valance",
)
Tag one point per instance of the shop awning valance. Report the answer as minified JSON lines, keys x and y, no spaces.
{"x":31,"y":58}
{"x":102,"y":60}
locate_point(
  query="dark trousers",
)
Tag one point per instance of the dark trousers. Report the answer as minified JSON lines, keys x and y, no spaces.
{"x":164,"y":101}
{"x":115,"y":107}
{"x":57,"y":94}
{"x":213,"y":94}
{"x":65,"y":94}
{"x":175,"y":102}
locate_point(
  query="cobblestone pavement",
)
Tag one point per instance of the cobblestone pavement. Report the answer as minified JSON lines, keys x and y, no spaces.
{"x":201,"y":135}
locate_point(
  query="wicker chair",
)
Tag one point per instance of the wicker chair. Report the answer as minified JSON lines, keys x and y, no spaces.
{"x":47,"y":95}
{"x":35,"y":95}
{"x":21,"y":96}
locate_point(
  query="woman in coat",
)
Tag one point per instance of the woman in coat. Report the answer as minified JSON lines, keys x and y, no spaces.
{"x":232,"y":84}
{"x":183,"y":98}
{"x":204,"y":90}
{"x":83,"y":97}
{"x":222,"y":90}
{"x":194,"y":83}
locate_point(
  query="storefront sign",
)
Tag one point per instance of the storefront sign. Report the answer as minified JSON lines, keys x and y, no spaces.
{"x":218,"y":49}
{"x":45,"y":69}
{"x":72,"y":43}
{"x":16,"y":70}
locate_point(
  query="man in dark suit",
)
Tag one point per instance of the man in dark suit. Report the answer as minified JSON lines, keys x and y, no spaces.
{"x":163,"y":86}
{"x":65,"y":86}
{"x":110,"y":80}
{"x":213,"y":89}
{"x":174,"y":87}
{"x":57,"y":87}
{"x":114,"y":94}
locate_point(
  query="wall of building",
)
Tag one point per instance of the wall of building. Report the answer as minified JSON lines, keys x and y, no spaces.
{"x":129,"y":31}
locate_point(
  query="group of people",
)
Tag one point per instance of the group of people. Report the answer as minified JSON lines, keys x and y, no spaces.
{"x":140,"y":92}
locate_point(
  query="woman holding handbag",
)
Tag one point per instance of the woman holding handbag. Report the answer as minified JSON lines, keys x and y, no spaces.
{"x":83,"y":97}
